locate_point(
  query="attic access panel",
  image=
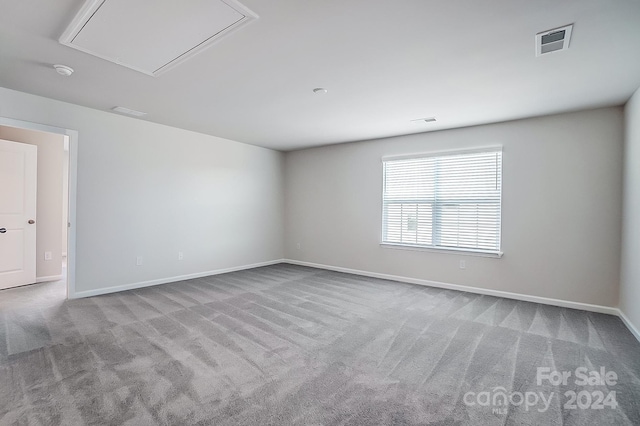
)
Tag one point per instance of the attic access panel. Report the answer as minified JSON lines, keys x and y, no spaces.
{"x":151,"y":36}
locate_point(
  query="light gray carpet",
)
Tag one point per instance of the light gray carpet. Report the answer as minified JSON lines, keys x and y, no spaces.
{"x":285,"y":345}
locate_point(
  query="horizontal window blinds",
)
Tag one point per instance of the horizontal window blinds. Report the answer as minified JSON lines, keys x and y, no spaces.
{"x":446,"y":201}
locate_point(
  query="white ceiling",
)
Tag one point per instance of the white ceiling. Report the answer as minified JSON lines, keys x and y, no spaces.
{"x":384,"y":63}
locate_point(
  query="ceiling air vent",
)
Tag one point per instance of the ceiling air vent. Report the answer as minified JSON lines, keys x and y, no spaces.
{"x":553,"y":40}
{"x":128,"y":111}
{"x":151,"y":36}
{"x":424,"y":120}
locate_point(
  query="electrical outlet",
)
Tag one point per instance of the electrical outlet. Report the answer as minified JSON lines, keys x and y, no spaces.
{"x":138,"y":260}
{"x":48,"y":255}
{"x":463,"y":264}
{"x":180,"y":255}
{"x":298,"y":246}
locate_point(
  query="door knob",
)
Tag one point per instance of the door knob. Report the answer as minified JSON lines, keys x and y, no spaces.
{"x":3,"y":230}
{"x":31,"y":222}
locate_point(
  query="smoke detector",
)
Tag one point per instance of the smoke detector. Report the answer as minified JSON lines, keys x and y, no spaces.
{"x":63,"y":70}
{"x":553,"y":40}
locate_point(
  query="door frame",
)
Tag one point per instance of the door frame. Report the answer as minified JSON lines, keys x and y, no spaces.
{"x":73,"y":185}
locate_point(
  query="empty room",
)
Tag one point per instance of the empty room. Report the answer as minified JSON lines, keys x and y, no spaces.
{"x":239,"y":212}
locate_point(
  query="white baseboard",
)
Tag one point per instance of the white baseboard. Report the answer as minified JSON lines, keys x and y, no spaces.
{"x":132,"y":286}
{"x":632,"y":328}
{"x":49,"y":278}
{"x":497,"y":293}
{"x":476,"y":290}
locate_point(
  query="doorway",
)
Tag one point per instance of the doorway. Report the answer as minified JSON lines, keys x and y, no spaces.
{"x":56,"y":206}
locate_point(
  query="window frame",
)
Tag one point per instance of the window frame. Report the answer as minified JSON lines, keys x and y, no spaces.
{"x":435,"y":231}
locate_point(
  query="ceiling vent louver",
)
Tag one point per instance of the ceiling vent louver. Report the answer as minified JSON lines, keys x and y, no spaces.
{"x":553,"y":40}
{"x":424,"y":120}
{"x":128,"y":111}
{"x":151,"y":36}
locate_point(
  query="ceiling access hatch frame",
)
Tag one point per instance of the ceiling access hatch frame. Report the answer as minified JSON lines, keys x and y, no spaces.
{"x":98,"y":21}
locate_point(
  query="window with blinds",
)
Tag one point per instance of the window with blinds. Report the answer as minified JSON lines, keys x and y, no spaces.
{"x":445,"y":201}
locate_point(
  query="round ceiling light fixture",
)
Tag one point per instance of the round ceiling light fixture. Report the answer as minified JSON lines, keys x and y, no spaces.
{"x":320,"y":90}
{"x":63,"y":70}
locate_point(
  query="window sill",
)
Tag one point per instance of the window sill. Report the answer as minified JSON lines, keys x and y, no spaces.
{"x":442,"y":250}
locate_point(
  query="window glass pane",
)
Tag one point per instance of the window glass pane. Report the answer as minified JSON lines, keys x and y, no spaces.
{"x":393,"y":223}
{"x":410,"y":179}
{"x":471,"y":177}
{"x":409,"y":223}
{"x":425,"y":227}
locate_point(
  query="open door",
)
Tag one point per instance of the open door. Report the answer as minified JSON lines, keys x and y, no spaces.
{"x":18,"y":180}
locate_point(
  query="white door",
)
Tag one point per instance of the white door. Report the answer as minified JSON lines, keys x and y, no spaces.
{"x":18,"y":180}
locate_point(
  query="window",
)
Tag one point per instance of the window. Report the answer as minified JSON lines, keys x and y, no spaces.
{"x":445,"y":201}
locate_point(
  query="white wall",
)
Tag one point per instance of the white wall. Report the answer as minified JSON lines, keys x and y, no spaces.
{"x":49,"y":198}
{"x":562,"y":198}
{"x":630,"y":265}
{"x":150,"y":190}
